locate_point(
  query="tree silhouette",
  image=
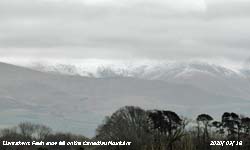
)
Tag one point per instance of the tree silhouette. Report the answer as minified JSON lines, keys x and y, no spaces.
{"x":231,"y":122}
{"x":167,"y":123}
{"x":218,"y":126}
{"x":127,"y":124}
{"x":245,"y":121}
{"x":205,"y":119}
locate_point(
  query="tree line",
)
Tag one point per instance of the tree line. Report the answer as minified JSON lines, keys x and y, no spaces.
{"x":147,"y":130}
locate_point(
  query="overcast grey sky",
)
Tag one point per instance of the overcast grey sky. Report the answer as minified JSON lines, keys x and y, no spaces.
{"x":154,"y":29}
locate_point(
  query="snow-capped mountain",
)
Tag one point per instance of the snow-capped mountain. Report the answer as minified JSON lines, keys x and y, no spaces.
{"x":217,"y":77}
{"x":78,"y":104}
{"x":153,"y":70}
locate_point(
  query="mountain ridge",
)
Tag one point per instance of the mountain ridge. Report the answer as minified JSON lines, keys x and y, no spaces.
{"x":221,"y":79}
{"x":79,"y":104}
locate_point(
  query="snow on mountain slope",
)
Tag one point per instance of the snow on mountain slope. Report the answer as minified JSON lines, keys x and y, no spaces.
{"x":78,"y":104}
{"x":217,"y":78}
{"x":139,"y":69}
{"x":152,"y":69}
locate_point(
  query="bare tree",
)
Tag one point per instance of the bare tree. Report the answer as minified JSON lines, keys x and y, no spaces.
{"x":127,"y":124}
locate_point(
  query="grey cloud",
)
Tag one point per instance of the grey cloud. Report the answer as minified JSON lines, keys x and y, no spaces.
{"x":228,"y":9}
{"x":79,"y":30}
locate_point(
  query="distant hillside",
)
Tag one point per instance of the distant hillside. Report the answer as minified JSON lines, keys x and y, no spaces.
{"x":215,"y":78}
{"x":78,"y":104}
